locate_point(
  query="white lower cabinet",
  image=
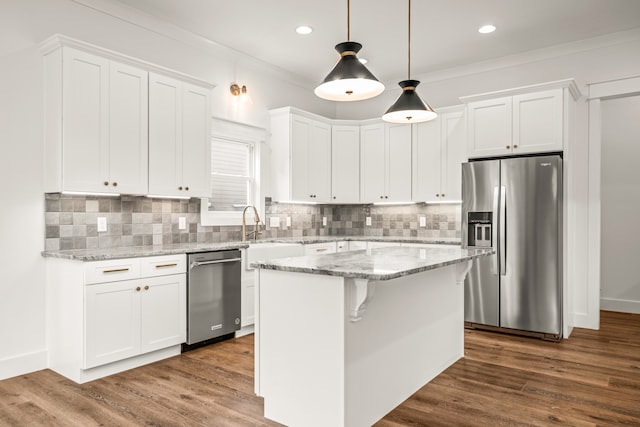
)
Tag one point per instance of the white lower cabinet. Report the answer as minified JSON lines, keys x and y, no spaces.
{"x":104,"y":317}
{"x":320,"y":248}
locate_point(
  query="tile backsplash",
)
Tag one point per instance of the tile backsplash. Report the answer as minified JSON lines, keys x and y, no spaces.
{"x":71,"y":221}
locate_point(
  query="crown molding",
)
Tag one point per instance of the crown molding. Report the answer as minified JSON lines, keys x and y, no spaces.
{"x":58,"y":40}
{"x":161,"y":27}
{"x":531,"y":56}
{"x":569,"y":84}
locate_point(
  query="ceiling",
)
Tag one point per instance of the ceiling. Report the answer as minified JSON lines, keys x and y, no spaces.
{"x":443,"y":33}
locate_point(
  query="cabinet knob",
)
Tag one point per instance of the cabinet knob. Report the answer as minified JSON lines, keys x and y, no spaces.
{"x":334,"y":197}
{"x":515,"y":146}
{"x":442,"y":194}
{"x":146,"y":288}
{"x":386,"y":197}
{"x":382,"y":197}
{"x":138,"y":289}
{"x":106,"y":183}
{"x":115,"y":184}
{"x":508,"y":146}
{"x":180,"y":188}
{"x":186,"y":188}
{"x":437,"y":195}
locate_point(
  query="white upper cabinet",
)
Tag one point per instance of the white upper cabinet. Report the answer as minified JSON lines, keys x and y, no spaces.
{"x":385,"y":163}
{"x":300,"y":157}
{"x":438,"y":153}
{"x":372,"y":163}
{"x":114,"y":126}
{"x":179,"y":138}
{"x":532,"y":119}
{"x":345,"y":163}
{"x":96,"y":127}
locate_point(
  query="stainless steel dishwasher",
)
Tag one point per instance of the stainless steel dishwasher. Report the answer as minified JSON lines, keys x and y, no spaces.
{"x":213,"y":295}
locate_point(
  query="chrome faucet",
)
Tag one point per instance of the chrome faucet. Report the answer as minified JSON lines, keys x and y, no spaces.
{"x":256,"y":230}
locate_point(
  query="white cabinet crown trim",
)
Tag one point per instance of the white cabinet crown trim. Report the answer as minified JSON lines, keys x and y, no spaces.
{"x":570,"y":84}
{"x":58,"y":40}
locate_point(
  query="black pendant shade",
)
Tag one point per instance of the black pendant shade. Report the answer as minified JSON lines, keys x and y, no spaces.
{"x":349,"y":80}
{"x":409,"y":108}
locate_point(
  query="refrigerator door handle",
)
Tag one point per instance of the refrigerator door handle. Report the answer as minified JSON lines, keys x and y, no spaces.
{"x":494,"y":226}
{"x":502,"y":234}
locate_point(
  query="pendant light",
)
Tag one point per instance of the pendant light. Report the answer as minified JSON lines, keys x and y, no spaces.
{"x":409,"y":108}
{"x":349,"y":80}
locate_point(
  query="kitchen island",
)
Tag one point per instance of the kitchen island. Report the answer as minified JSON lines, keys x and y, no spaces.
{"x":342,"y":339}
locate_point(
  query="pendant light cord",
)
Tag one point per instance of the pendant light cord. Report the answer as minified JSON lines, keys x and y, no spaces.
{"x":409,"y":44}
{"x":348,"y":20}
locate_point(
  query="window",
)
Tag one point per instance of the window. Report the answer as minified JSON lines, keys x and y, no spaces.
{"x":232,"y":176}
{"x":235,"y":174}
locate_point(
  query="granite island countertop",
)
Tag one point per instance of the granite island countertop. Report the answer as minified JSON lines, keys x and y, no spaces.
{"x":375,"y":264}
{"x":98,"y":254}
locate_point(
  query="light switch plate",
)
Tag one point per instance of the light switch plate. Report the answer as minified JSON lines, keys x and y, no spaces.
{"x":423,"y":221}
{"x":102,"y":224}
{"x":288,"y":221}
{"x":182,"y":223}
{"x":324,"y":221}
{"x":368,"y":221}
{"x":274,"y":221}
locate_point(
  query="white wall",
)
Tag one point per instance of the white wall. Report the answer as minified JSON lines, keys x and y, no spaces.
{"x":24,"y":24}
{"x":620,"y":196}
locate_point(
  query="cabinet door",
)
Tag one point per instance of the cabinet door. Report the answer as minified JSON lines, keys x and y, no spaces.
{"x":165,"y":136}
{"x":319,"y":161}
{"x":345,"y":164}
{"x":372,"y":163}
{"x":490,"y":130}
{"x":163,"y":312}
{"x":112,"y":322}
{"x":427,"y":161}
{"x":537,"y":122}
{"x":398,"y":171}
{"x":128,"y":125}
{"x":196,"y":141}
{"x":453,"y":134}
{"x":85,"y":83}
{"x":299,"y":140}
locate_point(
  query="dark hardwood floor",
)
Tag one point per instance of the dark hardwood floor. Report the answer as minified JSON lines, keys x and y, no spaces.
{"x":591,"y":379}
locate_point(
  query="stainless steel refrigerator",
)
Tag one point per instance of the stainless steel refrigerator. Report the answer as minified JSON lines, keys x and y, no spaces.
{"x":515,"y":206}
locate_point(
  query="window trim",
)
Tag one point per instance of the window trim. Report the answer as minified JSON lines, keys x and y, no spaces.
{"x":242,"y":133}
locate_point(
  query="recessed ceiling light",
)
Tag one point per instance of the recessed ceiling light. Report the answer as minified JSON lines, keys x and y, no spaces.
{"x":486,"y":29}
{"x":363,"y":60}
{"x":304,"y":29}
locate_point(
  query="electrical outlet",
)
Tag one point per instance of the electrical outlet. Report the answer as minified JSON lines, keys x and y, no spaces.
{"x":367,"y":221}
{"x":423,"y":221}
{"x":274,"y":221}
{"x":182,"y":223}
{"x":288,"y":221}
{"x":324,"y":221}
{"x":102,"y":224}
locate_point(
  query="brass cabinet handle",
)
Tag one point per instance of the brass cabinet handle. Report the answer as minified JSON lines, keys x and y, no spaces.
{"x":166,"y":265}
{"x":146,"y":288}
{"x":322,"y":249}
{"x":117,"y":270}
{"x":138,"y":289}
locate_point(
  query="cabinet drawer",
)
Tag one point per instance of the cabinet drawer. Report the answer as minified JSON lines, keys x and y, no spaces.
{"x":163,"y":265}
{"x":111,"y":270}
{"x":320,"y":248}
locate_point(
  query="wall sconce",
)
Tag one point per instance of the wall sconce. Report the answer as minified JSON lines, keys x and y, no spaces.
{"x":237,"y":90}
{"x":241,"y":93}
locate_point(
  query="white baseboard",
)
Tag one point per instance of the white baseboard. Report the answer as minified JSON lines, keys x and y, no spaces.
{"x":584,"y":320}
{"x":23,"y":364}
{"x":246,"y":330}
{"x":621,"y":305}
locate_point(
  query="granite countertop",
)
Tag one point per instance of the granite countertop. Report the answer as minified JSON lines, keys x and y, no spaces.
{"x":180,"y":248}
{"x":375,"y":264}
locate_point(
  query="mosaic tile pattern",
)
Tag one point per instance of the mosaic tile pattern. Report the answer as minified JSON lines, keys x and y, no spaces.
{"x":140,"y":221}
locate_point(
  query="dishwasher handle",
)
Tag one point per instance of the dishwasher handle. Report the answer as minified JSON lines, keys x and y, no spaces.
{"x":220,"y":261}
